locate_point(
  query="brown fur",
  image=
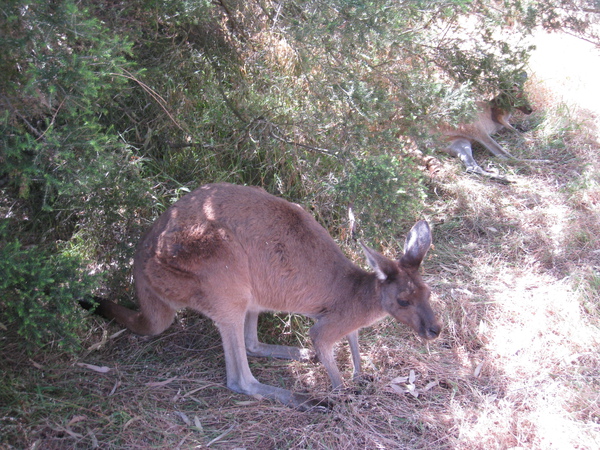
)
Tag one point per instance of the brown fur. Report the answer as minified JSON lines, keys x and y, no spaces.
{"x":231,"y":252}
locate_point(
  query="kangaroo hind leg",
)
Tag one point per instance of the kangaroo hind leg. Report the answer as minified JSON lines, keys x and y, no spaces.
{"x":355,"y":352}
{"x":240,"y":378}
{"x":461,"y":148}
{"x":256,"y":348}
{"x":494,"y":147}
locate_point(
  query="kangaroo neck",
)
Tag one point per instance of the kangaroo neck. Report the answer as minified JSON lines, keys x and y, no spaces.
{"x":362,"y":292}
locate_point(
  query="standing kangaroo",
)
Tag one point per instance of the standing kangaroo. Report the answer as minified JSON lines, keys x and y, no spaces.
{"x":232,"y":252}
{"x":492,"y":117}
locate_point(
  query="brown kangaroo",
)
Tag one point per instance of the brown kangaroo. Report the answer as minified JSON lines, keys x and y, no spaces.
{"x":232,"y":252}
{"x":493,"y":116}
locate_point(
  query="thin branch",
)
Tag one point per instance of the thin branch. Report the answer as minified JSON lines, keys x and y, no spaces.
{"x":33,"y":129}
{"x":323,"y":151}
{"x":230,"y":16}
{"x":161,"y":101}
{"x":53,"y":118}
{"x":182,"y":145}
{"x":229,"y":103}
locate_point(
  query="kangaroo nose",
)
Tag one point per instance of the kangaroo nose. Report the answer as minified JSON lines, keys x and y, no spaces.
{"x":434,"y":331}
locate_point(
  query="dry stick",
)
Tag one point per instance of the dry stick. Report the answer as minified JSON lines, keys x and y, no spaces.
{"x":161,"y":101}
{"x":228,"y":102}
{"x":324,"y":151}
{"x":30,"y":126}
{"x":53,"y":118}
{"x":33,"y":129}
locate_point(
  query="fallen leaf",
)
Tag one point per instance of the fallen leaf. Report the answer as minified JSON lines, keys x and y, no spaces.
{"x":412,"y":390}
{"x":399,"y":380}
{"x":221,"y":436}
{"x":113,"y":390}
{"x":76,"y":419}
{"x":118,"y":333}
{"x":411,"y":376}
{"x":160,"y":383}
{"x":100,"y":344}
{"x":197,"y":423}
{"x":130,"y":421}
{"x":398,"y":389}
{"x":100,"y":369}
{"x":96,"y":346}
{"x":477,"y":370}
{"x":185,"y":418}
{"x":73,"y":434}
{"x":36,"y":365}
{"x":430,"y":385}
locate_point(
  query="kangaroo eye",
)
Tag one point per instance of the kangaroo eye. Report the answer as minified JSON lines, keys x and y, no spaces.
{"x":403,"y":303}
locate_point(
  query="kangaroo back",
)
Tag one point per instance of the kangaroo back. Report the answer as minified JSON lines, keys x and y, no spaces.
{"x":231,"y":252}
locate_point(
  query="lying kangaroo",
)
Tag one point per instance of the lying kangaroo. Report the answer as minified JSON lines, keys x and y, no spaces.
{"x":232,"y":252}
{"x":493,"y":116}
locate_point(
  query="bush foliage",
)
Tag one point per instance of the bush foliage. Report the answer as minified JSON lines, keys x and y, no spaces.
{"x":40,"y":293}
{"x":384,"y":192}
{"x":111,"y":110}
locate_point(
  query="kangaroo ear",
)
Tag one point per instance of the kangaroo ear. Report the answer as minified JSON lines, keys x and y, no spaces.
{"x":417,"y":244}
{"x":382,"y":266}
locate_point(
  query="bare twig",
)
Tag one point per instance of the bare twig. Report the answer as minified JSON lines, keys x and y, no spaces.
{"x":161,"y":101}
{"x":323,"y":151}
{"x":33,"y":129}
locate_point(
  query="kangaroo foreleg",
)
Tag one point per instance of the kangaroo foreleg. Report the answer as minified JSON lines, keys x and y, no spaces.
{"x":499,"y":151}
{"x":354,"y":350}
{"x":494,"y":147}
{"x":502,"y":120}
{"x":324,"y":335}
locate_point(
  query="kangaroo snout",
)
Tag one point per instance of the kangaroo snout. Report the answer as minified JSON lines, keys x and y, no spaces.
{"x":431,"y":331}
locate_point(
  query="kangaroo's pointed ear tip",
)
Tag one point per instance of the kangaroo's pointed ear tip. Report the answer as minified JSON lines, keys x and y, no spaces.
{"x":422,"y":225}
{"x":418,"y":241}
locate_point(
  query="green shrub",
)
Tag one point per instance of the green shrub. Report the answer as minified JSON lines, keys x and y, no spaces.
{"x":386,"y":193}
{"x":39,"y":293}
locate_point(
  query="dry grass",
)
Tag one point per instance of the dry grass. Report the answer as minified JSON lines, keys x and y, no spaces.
{"x":516,"y":278}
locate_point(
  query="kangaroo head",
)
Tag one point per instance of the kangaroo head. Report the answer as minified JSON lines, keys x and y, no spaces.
{"x":511,"y":99}
{"x":521,"y":103}
{"x":404,"y":294}
{"x":517,"y":96}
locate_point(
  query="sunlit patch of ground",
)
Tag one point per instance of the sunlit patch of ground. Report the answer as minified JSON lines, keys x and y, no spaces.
{"x":541,"y":353}
{"x":518,"y":270}
{"x":537,"y":339}
{"x":570,"y":69}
